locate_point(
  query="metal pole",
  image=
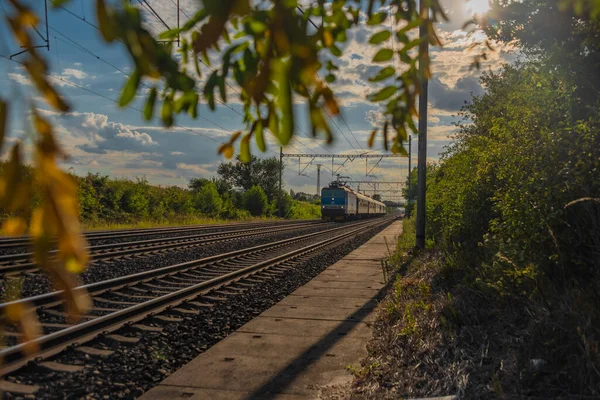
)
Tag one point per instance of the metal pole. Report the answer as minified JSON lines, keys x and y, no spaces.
{"x":280,"y":172}
{"x":409,"y":161}
{"x":318,"y":179}
{"x":47,"y":27}
{"x":422,"y":148}
{"x":178,"y":35}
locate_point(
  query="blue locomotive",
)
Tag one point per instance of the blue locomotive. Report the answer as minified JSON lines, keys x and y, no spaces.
{"x":340,"y":203}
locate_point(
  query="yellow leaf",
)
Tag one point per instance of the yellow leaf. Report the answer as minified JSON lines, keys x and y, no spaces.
{"x":234,"y":137}
{"x":372,"y":138}
{"x":36,"y":225}
{"x":228,"y":152}
{"x":13,"y":311}
{"x":14,"y":226}
{"x":74,"y":266}
{"x":20,"y":34}
{"x":30,"y":327}
{"x":327,"y":38}
{"x":37,"y":71}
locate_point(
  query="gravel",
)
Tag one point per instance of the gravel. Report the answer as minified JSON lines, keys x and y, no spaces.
{"x":164,"y":235}
{"x":132,"y":370}
{"x":35,"y":284}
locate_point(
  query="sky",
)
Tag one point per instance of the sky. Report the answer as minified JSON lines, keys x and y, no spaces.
{"x":102,"y":138}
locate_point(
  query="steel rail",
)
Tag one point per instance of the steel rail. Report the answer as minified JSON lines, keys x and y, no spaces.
{"x":144,"y":246}
{"x":17,"y":356}
{"x":118,"y":282}
{"x":7,"y":242}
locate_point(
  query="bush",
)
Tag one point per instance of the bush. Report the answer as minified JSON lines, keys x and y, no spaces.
{"x":515,"y":207}
{"x":208,"y":200}
{"x":255,"y":201}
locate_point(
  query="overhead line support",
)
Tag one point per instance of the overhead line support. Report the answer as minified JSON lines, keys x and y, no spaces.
{"x":45,"y":39}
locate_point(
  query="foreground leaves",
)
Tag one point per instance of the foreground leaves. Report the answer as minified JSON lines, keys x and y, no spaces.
{"x":57,"y":215}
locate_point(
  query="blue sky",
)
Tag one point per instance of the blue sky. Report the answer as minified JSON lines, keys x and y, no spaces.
{"x":103,"y":138}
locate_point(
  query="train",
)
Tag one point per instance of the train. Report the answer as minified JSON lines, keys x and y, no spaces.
{"x":339,"y":203}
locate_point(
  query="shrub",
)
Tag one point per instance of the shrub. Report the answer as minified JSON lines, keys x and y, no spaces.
{"x":255,"y":201}
{"x":208,"y":200}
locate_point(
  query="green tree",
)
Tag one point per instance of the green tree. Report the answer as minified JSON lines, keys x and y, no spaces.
{"x":196,"y":184}
{"x":256,"y":172}
{"x":255,"y":201}
{"x":208,"y":200}
{"x":563,"y":32}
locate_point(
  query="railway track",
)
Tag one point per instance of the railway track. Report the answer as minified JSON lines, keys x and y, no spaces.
{"x":164,"y":295}
{"x":20,"y":263}
{"x":23,"y":241}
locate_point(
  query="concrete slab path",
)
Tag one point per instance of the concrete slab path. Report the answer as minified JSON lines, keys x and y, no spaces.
{"x":302,"y":344}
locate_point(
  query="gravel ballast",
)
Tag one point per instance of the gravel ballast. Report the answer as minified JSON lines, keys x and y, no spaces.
{"x":132,"y":370}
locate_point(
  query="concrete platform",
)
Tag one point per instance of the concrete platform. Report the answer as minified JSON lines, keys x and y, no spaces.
{"x":302,"y":344}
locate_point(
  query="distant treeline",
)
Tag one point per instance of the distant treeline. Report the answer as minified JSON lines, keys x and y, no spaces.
{"x":240,"y":191}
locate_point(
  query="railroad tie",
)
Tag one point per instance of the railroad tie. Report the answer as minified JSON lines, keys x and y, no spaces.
{"x":59,"y":367}
{"x":184,"y":311}
{"x":119,"y":302}
{"x":122,"y":340}
{"x":92,"y":351}
{"x":147,"y":328}
{"x":201,"y":305}
{"x":18,"y":388}
{"x":165,"y":318}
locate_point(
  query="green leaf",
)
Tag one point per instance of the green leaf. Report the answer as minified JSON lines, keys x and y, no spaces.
{"x":380,"y":37}
{"x":130,"y":89}
{"x":170,"y":34}
{"x":107,"y":28}
{"x":383,"y":55}
{"x":330,"y":78}
{"x":166,"y":112}
{"x":221,"y":84}
{"x":383,"y":94}
{"x":260,"y":137}
{"x":193,"y":107}
{"x":199,"y":16}
{"x":285,"y":101}
{"x":335,"y":51}
{"x":377,"y":19}
{"x":209,"y":89}
{"x":383,"y":74}
{"x":245,"y":149}
{"x":149,"y":107}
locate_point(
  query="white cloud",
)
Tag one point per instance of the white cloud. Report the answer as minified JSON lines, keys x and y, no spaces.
{"x":19,"y":78}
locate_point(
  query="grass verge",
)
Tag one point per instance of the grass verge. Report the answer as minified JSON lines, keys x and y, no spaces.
{"x":102,"y":225}
{"x":440,"y":333}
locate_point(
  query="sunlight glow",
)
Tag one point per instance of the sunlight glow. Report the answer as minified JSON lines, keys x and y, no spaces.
{"x":478,"y":6}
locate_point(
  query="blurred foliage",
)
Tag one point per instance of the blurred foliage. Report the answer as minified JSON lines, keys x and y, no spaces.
{"x":56,"y":214}
{"x":273,"y":52}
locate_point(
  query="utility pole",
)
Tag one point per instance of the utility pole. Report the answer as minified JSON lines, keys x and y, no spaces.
{"x":319,"y":179}
{"x":280,"y":173}
{"x":422,"y":159}
{"x":409,"y":160}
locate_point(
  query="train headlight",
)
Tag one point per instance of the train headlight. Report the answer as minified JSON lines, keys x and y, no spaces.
{"x":342,"y":207}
